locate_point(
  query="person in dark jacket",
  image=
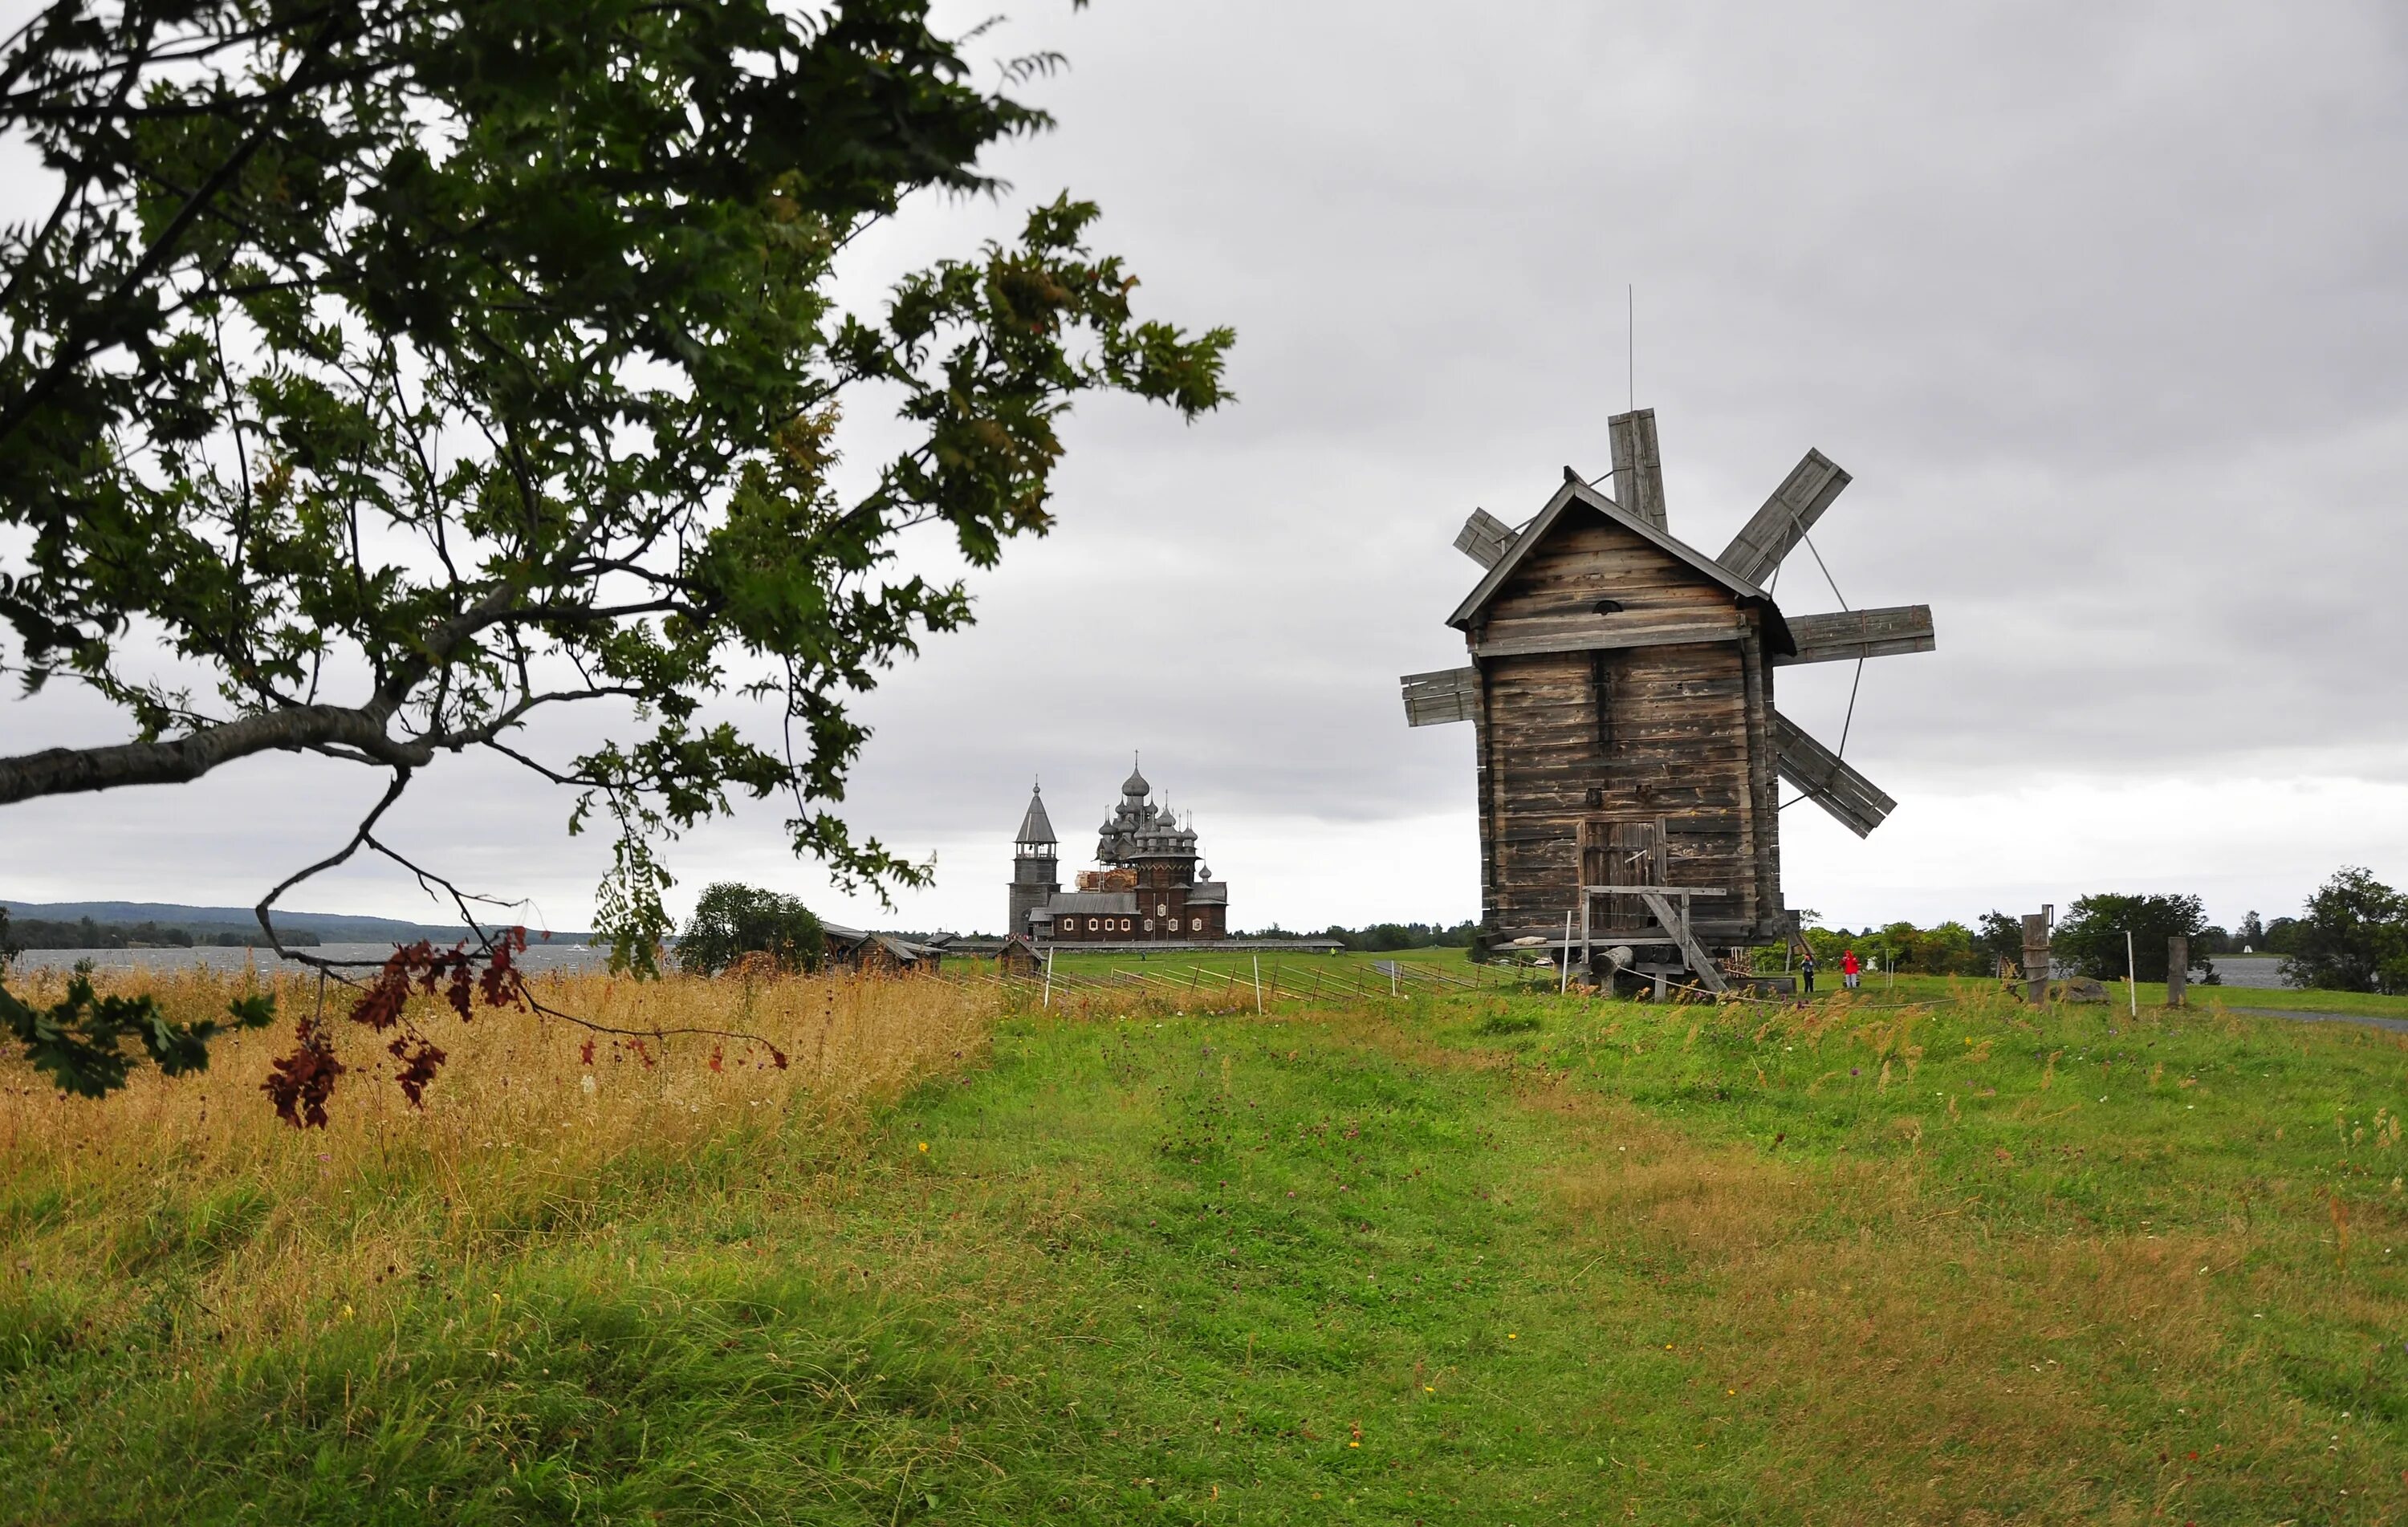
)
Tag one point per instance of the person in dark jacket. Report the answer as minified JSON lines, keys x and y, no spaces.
{"x":1806,"y":972}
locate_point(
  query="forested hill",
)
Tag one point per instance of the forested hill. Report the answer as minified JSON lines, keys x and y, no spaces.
{"x":114,"y":919}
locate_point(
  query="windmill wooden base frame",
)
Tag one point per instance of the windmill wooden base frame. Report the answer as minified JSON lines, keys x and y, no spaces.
{"x":1621,"y":684}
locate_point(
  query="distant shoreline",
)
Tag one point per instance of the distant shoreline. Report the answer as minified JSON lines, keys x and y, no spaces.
{"x":208,"y":923}
{"x":563,"y":952}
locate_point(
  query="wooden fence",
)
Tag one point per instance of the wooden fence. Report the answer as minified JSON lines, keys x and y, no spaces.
{"x":1202,"y":989}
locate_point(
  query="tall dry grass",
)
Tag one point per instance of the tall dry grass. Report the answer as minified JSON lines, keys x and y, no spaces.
{"x":195,"y":1180}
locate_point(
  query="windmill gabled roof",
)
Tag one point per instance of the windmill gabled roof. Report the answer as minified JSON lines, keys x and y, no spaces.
{"x":1576,"y":492}
{"x":1036,"y":827}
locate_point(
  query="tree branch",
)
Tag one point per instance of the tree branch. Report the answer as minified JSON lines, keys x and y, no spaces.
{"x":359,"y":836}
{"x":163,"y":248}
{"x":68,"y":771}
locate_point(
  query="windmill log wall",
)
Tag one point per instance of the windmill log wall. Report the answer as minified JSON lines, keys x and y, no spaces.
{"x":1631,"y":753}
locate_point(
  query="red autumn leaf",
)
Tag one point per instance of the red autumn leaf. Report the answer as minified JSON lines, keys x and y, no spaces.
{"x":420,"y":1061}
{"x":299,"y":1083}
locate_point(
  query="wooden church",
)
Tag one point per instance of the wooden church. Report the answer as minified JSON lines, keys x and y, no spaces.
{"x":1631,"y":756}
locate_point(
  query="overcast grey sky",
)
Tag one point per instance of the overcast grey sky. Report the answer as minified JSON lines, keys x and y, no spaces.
{"x":2104,"y":306}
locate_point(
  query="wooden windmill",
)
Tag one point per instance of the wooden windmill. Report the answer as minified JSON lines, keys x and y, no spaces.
{"x":1629,"y":754}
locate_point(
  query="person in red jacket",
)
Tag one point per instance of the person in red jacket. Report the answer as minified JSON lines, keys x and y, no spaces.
{"x":1848,"y":968}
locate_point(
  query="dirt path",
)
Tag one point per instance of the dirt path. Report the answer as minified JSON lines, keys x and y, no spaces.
{"x":2396,"y":1024}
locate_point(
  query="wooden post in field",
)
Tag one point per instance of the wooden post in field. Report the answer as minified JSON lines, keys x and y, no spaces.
{"x":2035,"y":957}
{"x":1048,"y":977}
{"x":1259,"y":986}
{"x":2177,"y":969}
{"x":1564,"y":983}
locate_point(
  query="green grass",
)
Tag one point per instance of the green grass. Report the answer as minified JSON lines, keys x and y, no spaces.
{"x":1453,"y":961}
{"x":2152,"y":995}
{"x":1480,"y":1259}
{"x":2365,"y":1004}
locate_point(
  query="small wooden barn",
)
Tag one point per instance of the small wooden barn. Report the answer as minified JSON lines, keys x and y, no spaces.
{"x":864,"y":952}
{"x":1019,"y":957}
{"x":1630,"y":755}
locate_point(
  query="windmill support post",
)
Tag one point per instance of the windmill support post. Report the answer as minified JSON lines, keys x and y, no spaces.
{"x":2177,"y":970}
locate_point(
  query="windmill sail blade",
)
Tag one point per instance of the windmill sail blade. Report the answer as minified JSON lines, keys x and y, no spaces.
{"x":1638,"y":465}
{"x":1785,"y":518}
{"x":1857,"y":803}
{"x":1860,"y":634}
{"x":1484,"y":538}
{"x":1436,"y":699}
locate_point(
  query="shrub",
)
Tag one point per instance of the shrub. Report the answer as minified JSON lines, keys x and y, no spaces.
{"x":731,"y":920}
{"x":2002,"y":938}
{"x":2091,"y":937}
{"x":2354,"y":936}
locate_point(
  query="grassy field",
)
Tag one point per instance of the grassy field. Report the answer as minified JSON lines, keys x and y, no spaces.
{"x":2152,"y":996}
{"x":1209,"y":979}
{"x":1917,"y":1256}
{"x":2294,"y":999}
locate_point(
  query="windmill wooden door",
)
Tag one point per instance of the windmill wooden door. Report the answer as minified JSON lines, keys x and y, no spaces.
{"x":1620,"y":851}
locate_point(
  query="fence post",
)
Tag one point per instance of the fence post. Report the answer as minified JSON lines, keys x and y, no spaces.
{"x":1048,"y":977}
{"x":2177,"y":970}
{"x":2035,"y":957}
{"x":1259,"y":986}
{"x":2132,"y":973}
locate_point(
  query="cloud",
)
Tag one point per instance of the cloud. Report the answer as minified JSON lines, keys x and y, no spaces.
{"x":2104,"y":307}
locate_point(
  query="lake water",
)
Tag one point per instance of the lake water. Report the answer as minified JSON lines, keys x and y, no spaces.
{"x":561,"y":955}
{"x":2260,"y":972}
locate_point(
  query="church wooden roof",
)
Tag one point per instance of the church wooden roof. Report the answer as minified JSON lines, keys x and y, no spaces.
{"x":1036,"y":827}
